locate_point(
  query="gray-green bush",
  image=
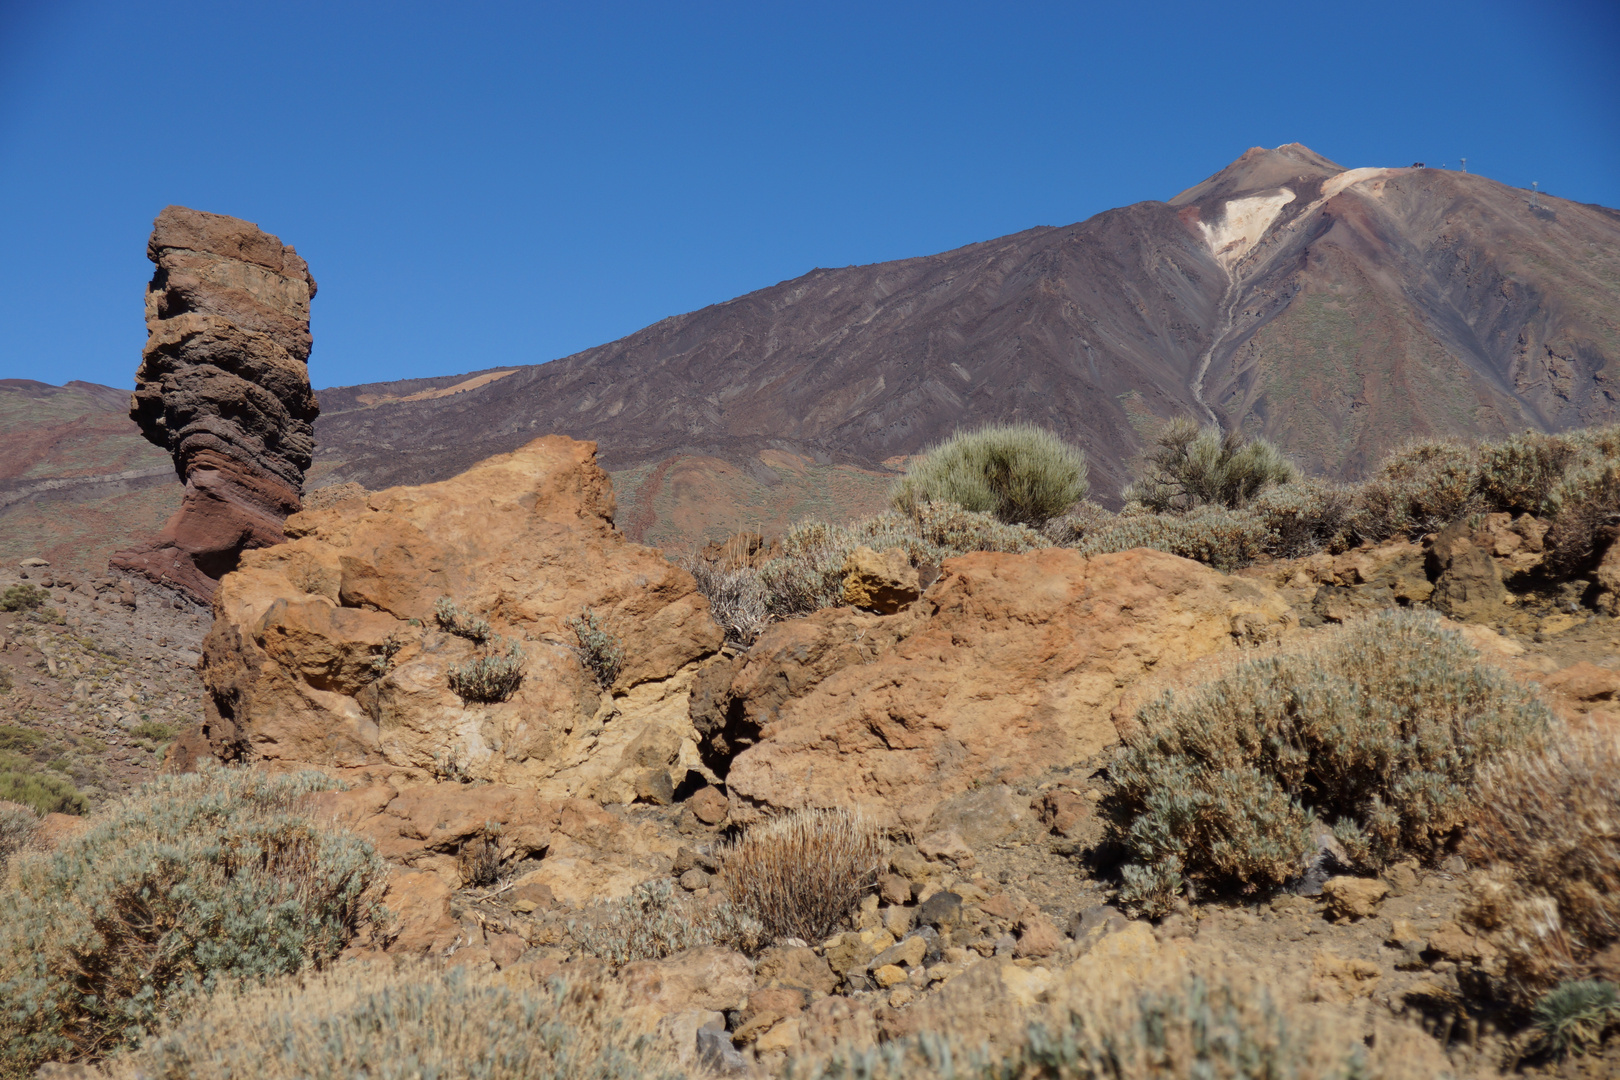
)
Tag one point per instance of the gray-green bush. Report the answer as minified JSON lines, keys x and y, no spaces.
{"x":491,"y":676}
{"x":18,"y":824}
{"x":23,"y":598}
{"x":1574,"y":1016}
{"x":407,"y":1023}
{"x":1380,"y":731}
{"x":23,"y":780}
{"x":1188,"y":467}
{"x":191,"y":884}
{"x":1018,"y":473}
{"x":598,"y":649}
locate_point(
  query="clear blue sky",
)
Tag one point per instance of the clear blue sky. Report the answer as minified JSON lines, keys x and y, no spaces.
{"x":484,"y":184}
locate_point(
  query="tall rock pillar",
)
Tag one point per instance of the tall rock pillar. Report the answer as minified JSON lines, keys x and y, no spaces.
{"x":224,"y":387}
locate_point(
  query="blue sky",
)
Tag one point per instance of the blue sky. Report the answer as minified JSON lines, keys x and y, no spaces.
{"x":485,"y":184}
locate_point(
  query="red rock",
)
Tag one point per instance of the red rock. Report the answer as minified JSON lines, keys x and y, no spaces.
{"x":709,"y":806}
{"x":224,"y":387}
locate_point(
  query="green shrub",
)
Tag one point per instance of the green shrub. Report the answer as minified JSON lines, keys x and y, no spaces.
{"x":1575,"y":1015}
{"x":802,"y":874}
{"x":1019,"y":473}
{"x":1547,"y":842}
{"x":1421,"y":488}
{"x":23,"y":598}
{"x":1188,"y":467}
{"x":22,"y":781}
{"x":405,"y":1023}
{"x":1224,"y":539}
{"x":654,"y":922}
{"x":599,"y":650}
{"x":1588,"y":504}
{"x":492,"y":676}
{"x":1380,"y":730}
{"x":191,"y":884}
{"x":18,"y":739}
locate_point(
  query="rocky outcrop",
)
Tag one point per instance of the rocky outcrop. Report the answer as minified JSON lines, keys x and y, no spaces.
{"x":358,"y":644}
{"x":223,"y":386}
{"x":1007,"y":666}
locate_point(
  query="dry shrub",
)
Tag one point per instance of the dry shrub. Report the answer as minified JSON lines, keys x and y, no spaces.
{"x":190,"y":884}
{"x":736,"y":597}
{"x":1018,"y":473}
{"x":1222,"y":538}
{"x":1420,"y":488}
{"x":802,"y":874}
{"x":1380,"y":730}
{"x":1583,"y":526}
{"x":1188,"y":467}
{"x":491,"y":676}
{"x":654,"y":922}
{"x":407,"y":1022}
{"x":1172,"y":1022}
{"x":1521,"y":474}
{"x":1548,"y":838}
{"x":598,"y":648}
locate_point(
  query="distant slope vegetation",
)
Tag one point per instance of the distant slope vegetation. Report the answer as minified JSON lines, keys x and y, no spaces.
{"x":1334,"y":311}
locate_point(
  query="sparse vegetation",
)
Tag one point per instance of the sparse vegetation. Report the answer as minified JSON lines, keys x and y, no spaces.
{"x":453,"y":620}
{"x":18,"y":824}
{"x":736,"y":595}
{"x":654,"y":922}
{"x":1168,"y":1024}
{"x":1548,"y":840}
{"x":492,"y":676}
{"x":408,"y":1021}
{"x":1574,"y":1016}
{"x":1189,"y":467}
{"x":802,"y":874}
{"x":193,"y":884}
{"x":23,"y":598}
{"x":24,"y":781}
{"x":1018,"y":473}
{"x":600,"y":651}
{"x":1380,"y":732}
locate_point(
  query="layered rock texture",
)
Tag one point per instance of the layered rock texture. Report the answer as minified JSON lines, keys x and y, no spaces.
{"x":369,"y":641}
{"x":223,"y":386}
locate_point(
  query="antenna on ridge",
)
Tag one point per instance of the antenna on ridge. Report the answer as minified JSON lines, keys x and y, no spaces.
{"x":1535,"y":196}
{"x":1464,"y":164}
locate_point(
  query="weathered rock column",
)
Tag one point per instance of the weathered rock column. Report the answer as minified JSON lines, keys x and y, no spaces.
{"x":224,"y":387}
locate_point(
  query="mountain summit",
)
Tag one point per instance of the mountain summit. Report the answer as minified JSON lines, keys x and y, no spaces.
{"x":1336,"y":311}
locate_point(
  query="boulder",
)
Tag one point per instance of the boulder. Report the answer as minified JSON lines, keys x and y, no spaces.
{"x":877,"y":581}
{"x":1354,"y":897}
{"x":586,"y":852}
{"x":1008,"y":666}
{"x":223,"y":386}
{"x":707,"y":977}
{"x":1467,"y":580}
{"x":327,"y":650}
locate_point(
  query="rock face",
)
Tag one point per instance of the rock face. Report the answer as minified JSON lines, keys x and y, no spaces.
{"x":333,"y":649}
{"x":223,"y":386}
{"x":1007,"y":666}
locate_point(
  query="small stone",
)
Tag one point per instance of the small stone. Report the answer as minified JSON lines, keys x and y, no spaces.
{"x":1353,"y":897}
{"x":694,"y":879}
{"x":883,"y":582}
{"x":1038,"y":937}
{"x":943,"y":910}
{"x":908,"y":953}
{"x":849,"y":954}
{"x":654,"y":786}
{"x":709,"y":806}
{"x":894,"y":889}
{"x":898,"y":920}
{"x":888,"y":975}
{"x":901,"y":996}
{"x":947,"y":846}
{"x":1005,"y":944}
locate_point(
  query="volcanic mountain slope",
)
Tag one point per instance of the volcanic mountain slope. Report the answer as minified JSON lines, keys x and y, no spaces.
{"x":1335,"y":311}
{"x":77,"y":481}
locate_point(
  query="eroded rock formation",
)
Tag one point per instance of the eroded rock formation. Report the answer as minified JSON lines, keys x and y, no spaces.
{"x":1007,"y":666}
{"x":224,"y":387}
{"x":330,"y":649}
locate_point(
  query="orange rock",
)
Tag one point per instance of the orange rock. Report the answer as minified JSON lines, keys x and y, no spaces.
{"x":708,"y":977}
{"x":325,"y":649}
{"x":1008,"y":665}
{"x":420,"y":903}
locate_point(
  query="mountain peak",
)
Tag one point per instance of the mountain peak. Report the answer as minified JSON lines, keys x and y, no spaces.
{"x":1260,"y":169}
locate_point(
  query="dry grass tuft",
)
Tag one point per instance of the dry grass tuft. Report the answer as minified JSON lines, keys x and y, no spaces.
{"x":404,"y":1023}
{"x":654,"y":922}
{"x":802,"y":874}
{"x":1548,"y":838}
